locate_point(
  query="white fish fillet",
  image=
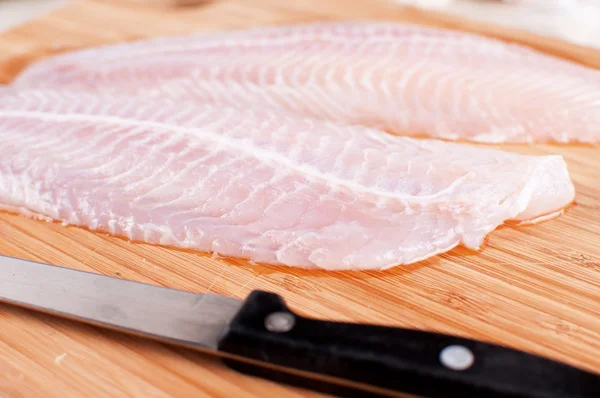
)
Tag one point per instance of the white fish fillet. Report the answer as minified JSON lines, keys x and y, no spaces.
{"x":258,"y":185}
{"x":405,"y":79}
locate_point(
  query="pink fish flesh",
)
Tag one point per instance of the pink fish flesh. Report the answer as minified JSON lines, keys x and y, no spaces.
{"x":405,"y":79}
{"x":256,"y":184}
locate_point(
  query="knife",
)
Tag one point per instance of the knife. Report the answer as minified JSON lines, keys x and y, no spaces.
{"x":261,"y":336}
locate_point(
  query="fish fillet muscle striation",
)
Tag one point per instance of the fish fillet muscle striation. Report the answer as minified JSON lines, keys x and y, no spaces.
{"x":405,"y":79}
{"x":256,"y":184}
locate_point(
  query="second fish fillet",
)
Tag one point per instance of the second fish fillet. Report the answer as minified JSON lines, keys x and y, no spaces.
{"x":259,"y":185}
{"x":405,"y":79}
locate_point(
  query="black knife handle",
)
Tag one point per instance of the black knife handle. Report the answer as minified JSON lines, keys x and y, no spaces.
{"x":404,"y":360}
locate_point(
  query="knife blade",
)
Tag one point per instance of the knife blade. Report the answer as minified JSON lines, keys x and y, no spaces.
{"x":261,"y":336}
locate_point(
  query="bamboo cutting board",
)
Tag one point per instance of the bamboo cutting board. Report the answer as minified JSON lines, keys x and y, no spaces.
{"x":533,"y":288}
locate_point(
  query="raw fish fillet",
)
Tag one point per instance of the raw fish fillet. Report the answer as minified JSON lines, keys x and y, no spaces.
{"x":259,"y":185}
{"x":405,"y":79}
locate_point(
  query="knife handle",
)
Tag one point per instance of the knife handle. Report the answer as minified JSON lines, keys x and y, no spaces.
{"x":399,"y":360}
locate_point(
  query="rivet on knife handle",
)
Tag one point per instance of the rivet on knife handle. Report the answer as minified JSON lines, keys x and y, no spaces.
{"x":404,"y":360}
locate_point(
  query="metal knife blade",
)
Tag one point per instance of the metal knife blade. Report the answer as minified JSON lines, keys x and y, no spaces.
{"x":261,"y":336}
{"x":138,"y":308}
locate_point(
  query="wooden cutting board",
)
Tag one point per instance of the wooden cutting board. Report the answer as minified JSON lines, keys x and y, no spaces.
{"x":534,"y":288}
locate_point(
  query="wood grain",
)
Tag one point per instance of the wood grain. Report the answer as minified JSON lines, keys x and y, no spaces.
{"x":534,"y":288}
